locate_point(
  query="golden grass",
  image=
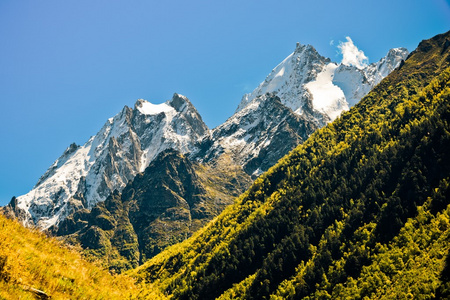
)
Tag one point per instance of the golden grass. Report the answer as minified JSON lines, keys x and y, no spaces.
{"x":30,"y":261}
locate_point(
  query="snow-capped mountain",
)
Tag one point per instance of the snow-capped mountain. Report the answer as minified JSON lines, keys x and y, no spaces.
{"x":355,"y":83}
{"x":85,"y":175}
{"x":307,"y":82}
{"x":288,"y":79}
{"x":305,"y":88}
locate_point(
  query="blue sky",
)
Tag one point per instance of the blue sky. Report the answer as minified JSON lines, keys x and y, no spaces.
{"x":67,"y":66}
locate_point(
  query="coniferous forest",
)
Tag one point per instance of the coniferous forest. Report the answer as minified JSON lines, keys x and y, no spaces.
{"x":360,"y":210}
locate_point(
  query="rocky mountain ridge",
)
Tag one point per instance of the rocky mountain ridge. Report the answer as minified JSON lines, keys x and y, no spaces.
{"x":300,"y":95}
{"x":85,"y":175}
{"x":305,"y":79}
{"x":358,"y":211}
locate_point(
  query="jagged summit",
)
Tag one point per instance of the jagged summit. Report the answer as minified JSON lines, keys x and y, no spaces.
{"x":307,"y":49}
{"x":287,"y":79}
{"x":303,"y":93}
{"x":177,"y":103}
{"x":126,"y":144}
{"x":309,"y":83}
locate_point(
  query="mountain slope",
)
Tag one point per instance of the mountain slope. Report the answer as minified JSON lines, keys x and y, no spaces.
{"x":311,"y":84}
{"x":258,"y":135}
{"x":164,"y":205}
{"x":33,"y":266}
{"x":361,"y":209}
{"x":85,"y":175}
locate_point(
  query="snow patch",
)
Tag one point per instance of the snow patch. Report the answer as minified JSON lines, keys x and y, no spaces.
{"x":148,"y":108}
{"x":327,"y":97}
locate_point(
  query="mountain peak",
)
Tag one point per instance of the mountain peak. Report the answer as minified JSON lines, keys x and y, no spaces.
{"x":304,"y":48}
{"x":126,"y":145}
{"x":303,"y":92}
{"x":309,"y":83}
{"x":179,"y":102}
{"x":396,"y":51}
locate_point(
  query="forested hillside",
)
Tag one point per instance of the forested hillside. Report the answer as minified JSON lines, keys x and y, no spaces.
{"x":359,"y":210}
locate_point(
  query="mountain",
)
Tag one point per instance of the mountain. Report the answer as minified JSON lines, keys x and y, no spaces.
{"x":33,"y":266}
{"x":258,"y":135}
{"x":85,"y":175}
{"x":165,"y":204}
{"x":311,"y":84}
{"x":358,"y":211}
{"x":302,"y":94}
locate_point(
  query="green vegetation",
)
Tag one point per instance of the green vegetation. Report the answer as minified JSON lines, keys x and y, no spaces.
{"x":359,"y":211}
{"x":173,"y":198}
{"x":33,"y":266}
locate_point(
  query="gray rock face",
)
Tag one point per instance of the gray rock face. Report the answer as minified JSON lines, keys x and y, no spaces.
{"x":300,"y":95}
{"x":287,"y":80}
{"x":306,"y":81}
{"x":257,"y":136}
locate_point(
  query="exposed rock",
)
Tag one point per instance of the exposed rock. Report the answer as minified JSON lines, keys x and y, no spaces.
{"x":164,"y":205}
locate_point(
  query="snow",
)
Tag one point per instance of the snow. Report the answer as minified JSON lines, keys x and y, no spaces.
{"x":352,"y":82}
{"x":333,"y":87}
{"x":327,"y":97}
{"x":288,"y":78}
{"x":58,"y":185}
{"x":274,"y":82}
{"x":148,"y":108}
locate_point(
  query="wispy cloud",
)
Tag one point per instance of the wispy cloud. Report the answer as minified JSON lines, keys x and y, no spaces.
{"x":351,"y":55}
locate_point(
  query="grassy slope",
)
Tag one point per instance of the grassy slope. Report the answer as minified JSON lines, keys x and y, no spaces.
{"x":31,"y":261}
{"x":339,"y":206}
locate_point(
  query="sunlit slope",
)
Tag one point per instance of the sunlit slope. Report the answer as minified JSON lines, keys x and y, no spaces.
{"x":33,"y":266}
{"x":359,"y":210}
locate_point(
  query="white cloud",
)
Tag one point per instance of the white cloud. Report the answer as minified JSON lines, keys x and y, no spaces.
{"x":351,"y":55}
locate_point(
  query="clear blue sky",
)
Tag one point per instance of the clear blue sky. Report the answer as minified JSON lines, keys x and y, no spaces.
{"x":67,"y":66}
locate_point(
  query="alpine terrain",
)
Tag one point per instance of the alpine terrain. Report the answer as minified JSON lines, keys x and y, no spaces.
{"x":330,"y":181}
{"x":164,"y":205}
{"x":85,"y":175}
{"x":124,"y":197}
{"x":300,"y":95}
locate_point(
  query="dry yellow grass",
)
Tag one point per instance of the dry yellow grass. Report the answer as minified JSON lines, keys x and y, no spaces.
{"x":31,"y":262}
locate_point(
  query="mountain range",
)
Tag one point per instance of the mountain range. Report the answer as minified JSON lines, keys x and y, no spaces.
{"x":303,"y":93}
